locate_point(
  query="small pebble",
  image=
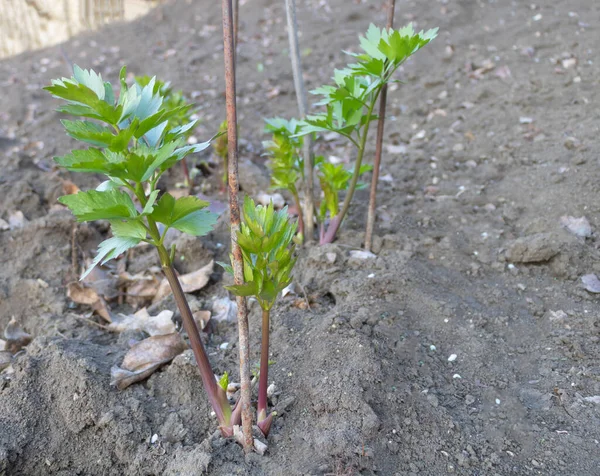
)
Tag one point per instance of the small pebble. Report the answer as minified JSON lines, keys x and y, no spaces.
{"x":452,"y":358}
{"x":154,"y":438}
{"x":497,"y":401}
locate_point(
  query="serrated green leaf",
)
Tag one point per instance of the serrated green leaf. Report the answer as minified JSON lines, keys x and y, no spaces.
{"x":96,"y":205}
{"x":91,"y":79}
{"x":198,"y":223}
{"x":110,"y":249}
{"x":186,"y":214}
{"x":90,"y":160}
{"x":128,"y":228}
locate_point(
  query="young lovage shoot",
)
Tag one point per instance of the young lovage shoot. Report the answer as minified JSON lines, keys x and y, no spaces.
{"x":349,"y":103}
{"x":266,"y":239}
{"x":172,"y":100}
{"x":133,"y":145}
{"x":286,"y":161}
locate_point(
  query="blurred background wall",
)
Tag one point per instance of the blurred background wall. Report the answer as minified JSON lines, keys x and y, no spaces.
{"x":31,"y":24}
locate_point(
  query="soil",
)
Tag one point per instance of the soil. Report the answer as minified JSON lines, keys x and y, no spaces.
{"x":467,"y":345}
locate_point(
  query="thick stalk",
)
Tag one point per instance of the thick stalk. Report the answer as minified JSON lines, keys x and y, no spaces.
{"x":264,"y":421}
{"x":236,"y":22}
{"x":336,"y":221}
{"x":292,"y":24}
{"x":234,"y":211}
{"x":378,"y":148}
{"x":217,"y":397}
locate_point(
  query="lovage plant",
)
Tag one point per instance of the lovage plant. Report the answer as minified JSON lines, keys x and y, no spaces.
{"x":349,"y":103}
{"x":265,"y":239}
{"x":133,"y":145}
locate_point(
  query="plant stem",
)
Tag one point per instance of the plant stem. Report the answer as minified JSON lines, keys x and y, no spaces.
{"x":217,"y":397}
{"x":236,"y":22}
{"x":378,"y":147}
{"x":300,"y":215}
{"x":292,"y":24}
{"x":337,"y":220}
{"x":234,"y":209}
{"x":264,"y":420}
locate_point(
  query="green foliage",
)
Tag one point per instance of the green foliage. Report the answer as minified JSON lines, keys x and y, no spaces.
{"x":265,"y":239}
{"x":284,"y":149}
{"x":136,"y":138}
{"x":224,"y":381}
{"x":172,"y":101}
{"x":357,"y":86}
{"x":347,"y":109}
{"x":333,"y":180}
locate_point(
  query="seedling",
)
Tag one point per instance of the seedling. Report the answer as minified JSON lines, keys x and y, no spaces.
{"x":133,"y":146}
{"x":171,"y":100}
{"x":350,"y":102}
{"x":265,"y":239}
{"x":333,"y":179}
{"x":286,"y":162}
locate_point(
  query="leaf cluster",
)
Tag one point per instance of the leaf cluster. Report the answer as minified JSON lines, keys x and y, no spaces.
{"x":284,"y":149}
{"x":357,"y":86}
{"x":334,"y":179}
{"x":265,"y":239}
{"x":133,"y":144}
{"x":171,"y":100}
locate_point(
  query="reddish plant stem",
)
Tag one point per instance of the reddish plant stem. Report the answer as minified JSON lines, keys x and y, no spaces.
{"x":217,"y":397}
{"x":263,"y":380}
{"x":236,"y":22}
{"x":234,"y":209}
{"x":378,"y":148}
{"x":336,"y":221}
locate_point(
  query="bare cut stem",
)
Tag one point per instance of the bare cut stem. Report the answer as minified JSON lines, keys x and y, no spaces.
{"x":336,"y":221}
{"x":292,"y":23}
{"x":378,"y":147}
{"x":234,"y":210}
{"x":264,"y":421}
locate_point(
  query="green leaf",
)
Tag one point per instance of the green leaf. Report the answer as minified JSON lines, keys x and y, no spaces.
{"x":149,"y":207}
{"x":89,"y":132}
{"x":245,"y":290}
{"x":186,"y":214}
{"x":224,"y":381}
{"x":96,"y":205}
{"x":90,"y":160}
{"x":198,"y":223}
{"x":91,"y":79}
{"x":128,"y":228}
{"x":110,"y":249}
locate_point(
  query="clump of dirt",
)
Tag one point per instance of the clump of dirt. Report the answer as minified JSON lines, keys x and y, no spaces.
{"x":467,"y":345}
